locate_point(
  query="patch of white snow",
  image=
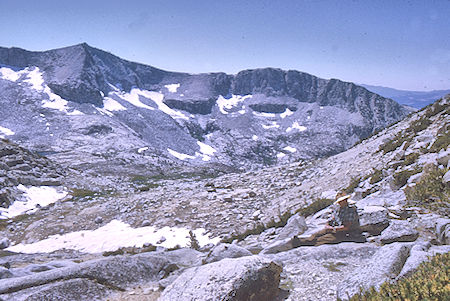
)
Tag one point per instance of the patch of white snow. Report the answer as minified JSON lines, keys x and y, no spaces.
{"x":114,"y":235}
{"x":42,"y":196}
{"x":290,"y":149}
{"x":297,"y":126}
{"x":229,"y":103}
{"x":206,"y":149}
{"x":263,"y":114}
{"x":142,"y":149}
{"x":5,"y":132}
{"x":273,"y":125}
{"x":172,"y":87}
{"x":179,"y":155}
{"x":112,"y":105}
{"x":255,"y":138}
{"x":286,"y":113}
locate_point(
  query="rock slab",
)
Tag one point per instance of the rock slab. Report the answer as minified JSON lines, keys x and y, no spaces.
{"x":384,"y":265}
{"x":251,"y":278}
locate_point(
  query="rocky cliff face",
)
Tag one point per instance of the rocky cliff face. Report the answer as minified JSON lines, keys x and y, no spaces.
{"x":157,"y":118}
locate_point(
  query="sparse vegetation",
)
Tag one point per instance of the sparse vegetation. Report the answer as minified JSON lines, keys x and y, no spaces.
{"x":80,"y":193}
{"x":429,"y":282}
{"x":130,"y":250}
{"x":394,"y":143}
{"x":315,"y":207}
{"x":401,"y":177}
{"x":410,"y":159}
{"x":376,"y":177}
{"x":354,"y":182}
{"x":333,"y":266}
{"x":193,"y":242}
{"x":430,"y":192}
{"x":442,"y":141}
{"x":419,"y":125}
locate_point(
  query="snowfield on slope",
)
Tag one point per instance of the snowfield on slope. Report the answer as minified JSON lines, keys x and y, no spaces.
{"x":114,"y":235}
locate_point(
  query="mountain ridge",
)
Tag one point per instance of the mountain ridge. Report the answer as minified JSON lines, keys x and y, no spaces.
{"x":277,"y":114}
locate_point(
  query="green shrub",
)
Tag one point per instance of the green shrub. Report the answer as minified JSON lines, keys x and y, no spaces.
{"x":315,"y":207}
{"x":431,"y":281}
{"x":401,"y":178}
{"x":435,"y":109}
{"x":81,"y":193}
{"x":376,"y":177}
{"x":410,"y":159}
{"x":193,"y":242}
{"x":430,"y":192}
{"x":354,"y":182}
{"x":394,"y":143}
{"x":441,"y":142}
{"x":419,"y":125}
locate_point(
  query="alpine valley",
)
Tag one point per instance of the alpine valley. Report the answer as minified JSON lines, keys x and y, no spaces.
{"x":121,"y":181}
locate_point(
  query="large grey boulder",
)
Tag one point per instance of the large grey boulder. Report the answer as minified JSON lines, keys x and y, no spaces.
{"x":278,"y":246}
{"x":5,"y":273}
{"x":119,"y":272}
{"x":4,"y":243}
{"x":443,"y":230}
{"x":249,"y":278}
{"x":296,"y":225}
{"x":400,"y":231}
{"x":374,"y":219}
{"x":69,"y":290}
{"x":223,"y":251}
{"x":384,"y":265}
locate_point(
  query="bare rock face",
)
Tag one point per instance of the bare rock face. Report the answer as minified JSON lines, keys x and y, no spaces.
{"x":249,"y":278}
{"x":398,"y":231}
{"x":223,"y":251}
{"x":384,"y":265}
{"x":68,"y":290}
{"x":296,"y":225}
{"x":374,"y":219}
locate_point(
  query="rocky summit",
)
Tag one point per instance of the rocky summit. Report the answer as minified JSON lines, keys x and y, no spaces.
{"x":121,"y":181}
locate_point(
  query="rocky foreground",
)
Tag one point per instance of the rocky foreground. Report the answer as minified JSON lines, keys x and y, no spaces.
{"x":399,"y":179}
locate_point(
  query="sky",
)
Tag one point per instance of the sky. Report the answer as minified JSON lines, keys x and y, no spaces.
{"x":397,"y":44}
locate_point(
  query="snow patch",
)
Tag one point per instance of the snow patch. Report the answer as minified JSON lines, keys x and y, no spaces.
{"x":112,"y":105}
{"x":142,"y":149}
{"x":255,"y":138}
{"x":104,"y":112}
{"x":172,"y":87}
{"x":114,"y":235}
{"x":133,"y":98}
{"x":286,"y":113}
{"x":229,"y":103}
{"x":272,"y":125}
{"x":34,"y":196}
{"x":297,"y":126}
{"x":179,"y":155}
{"x":290,"y":149}
{"x":156,"y":97}
{"x":280,"y":155}
{"x":5,"y":132}
{"x":35,"y":79}
{"x":263,"y":114}
{"x":9,"y":74}
{"x":206,"y":149}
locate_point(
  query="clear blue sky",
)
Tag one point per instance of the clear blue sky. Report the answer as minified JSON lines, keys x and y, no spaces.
{"x":394,"y":43}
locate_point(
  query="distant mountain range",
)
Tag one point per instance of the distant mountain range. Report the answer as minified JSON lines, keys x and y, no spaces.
{"x":415,"y":99}
{"x":86,"y":107}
